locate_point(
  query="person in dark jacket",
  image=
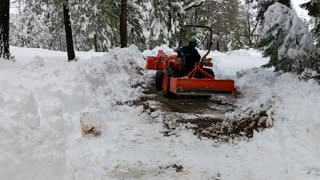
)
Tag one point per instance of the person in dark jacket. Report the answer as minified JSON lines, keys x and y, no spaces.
{"x":189,"y":55}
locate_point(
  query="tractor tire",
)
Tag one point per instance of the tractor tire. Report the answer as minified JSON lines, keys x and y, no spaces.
{"x":159,"y":77}
{"x":168,"y":73}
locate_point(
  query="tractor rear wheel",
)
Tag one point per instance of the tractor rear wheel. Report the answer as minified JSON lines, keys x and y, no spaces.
{"x":159,"y":77}
{"x":168,"y":73}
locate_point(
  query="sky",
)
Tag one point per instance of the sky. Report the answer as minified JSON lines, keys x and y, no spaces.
{"x":301,"y":12}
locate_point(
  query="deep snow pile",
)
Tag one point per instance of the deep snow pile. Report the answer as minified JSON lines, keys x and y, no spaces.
{"x":44,"y":98}
{"x":228,"y":64}
{"x":290,"y":150}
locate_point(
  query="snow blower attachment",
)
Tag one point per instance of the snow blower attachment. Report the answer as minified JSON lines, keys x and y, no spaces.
{"x":173,"y":77}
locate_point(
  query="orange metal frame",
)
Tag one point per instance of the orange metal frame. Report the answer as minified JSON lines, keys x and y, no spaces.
{"x":190,"y":84}
{"x":157,"y":63}
{"x":198,"y":68}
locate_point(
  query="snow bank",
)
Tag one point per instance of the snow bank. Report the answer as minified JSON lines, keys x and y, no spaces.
{"x":290,"y":150}
{"x":154,"y":52}
{"x":228,"y":64}
{"x":42,"y":101}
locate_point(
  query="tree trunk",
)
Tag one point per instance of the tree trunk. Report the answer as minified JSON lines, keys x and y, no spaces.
{"x":95,"y":42}
{"x":4,"y":29}
{"x":218,"y":45}
{"x":67,"y":25}
{"x":249,"y":30}
{"x":169,"y":24}
{"x":285,"y":2}
{"x":123,"y":24}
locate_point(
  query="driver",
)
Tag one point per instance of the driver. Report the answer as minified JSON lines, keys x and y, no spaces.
{"x":189,"y":54}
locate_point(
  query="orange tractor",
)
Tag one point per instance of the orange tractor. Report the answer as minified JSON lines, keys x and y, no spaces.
{"x":173,"y":77}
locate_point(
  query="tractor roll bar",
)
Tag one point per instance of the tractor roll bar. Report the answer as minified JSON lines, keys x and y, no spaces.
{"x":197,"y":26}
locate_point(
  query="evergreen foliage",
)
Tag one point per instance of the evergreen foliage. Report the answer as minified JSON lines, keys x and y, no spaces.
{"x":166,"y":18}
{"x":263,"y":5}
{"x":313,"y":7}
{"x":92,"y":24}
{"x":287,"y":41}
{"x":150,"y":23}
{"x":284,"y":37}
{"x":4,"y":29}
{"x":223,"y":18}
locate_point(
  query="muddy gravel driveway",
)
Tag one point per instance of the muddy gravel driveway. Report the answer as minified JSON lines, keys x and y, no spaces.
{"x":205,"y":117}
{"x":189,"y":104}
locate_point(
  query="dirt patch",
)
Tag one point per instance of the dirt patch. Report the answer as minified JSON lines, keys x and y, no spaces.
{"x":90,"y":124}
{"x":178,"y":168}
{"x":206,"y":117}
{"x":230,"y":130}
{"x":184,"y":104}
{"x":201,"y":122}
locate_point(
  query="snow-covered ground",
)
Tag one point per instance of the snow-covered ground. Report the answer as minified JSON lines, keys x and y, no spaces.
{"x":43,"y":98}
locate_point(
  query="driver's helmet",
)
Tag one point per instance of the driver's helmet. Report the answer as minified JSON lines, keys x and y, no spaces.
{"x":193,"y":42}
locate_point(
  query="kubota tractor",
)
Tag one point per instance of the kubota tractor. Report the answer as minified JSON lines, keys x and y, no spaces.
{"x":174,"y":77}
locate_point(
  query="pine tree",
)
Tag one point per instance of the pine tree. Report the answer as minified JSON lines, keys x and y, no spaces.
{"x":4,"y":29}
{"x":248,"y":25}
{"x":52,"y":14}
{"x":165,"y":21}
{"x":233,"y":33}
{"x":96,"y":24}
{"x":123,"y":24}
{"x":263,"y":5}
{"x":150,"y":23}
{"x":223,"y":18}
{"x":68,"y":29}
{"x":286,"y":40}
{"x":28,"y":29}
{"x":313,"y":7}
{"x":138,"y":23}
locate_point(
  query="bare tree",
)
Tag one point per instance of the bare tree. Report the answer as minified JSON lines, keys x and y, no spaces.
{"x":67,"y":25}
{"x":123,"y":24}
{"x":4,"y":29}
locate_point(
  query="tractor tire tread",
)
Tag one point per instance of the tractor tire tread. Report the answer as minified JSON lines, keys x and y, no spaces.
{"x":159,"y":77}
{"x":170,"y":73}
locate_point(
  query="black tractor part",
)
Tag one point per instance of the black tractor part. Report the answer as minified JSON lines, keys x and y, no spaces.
{"x":208,"y":70}
{"x":159,"y":77}
{"x":170,"y":72}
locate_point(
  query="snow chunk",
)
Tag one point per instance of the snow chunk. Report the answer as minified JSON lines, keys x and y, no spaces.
{"x":90,"y":124}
